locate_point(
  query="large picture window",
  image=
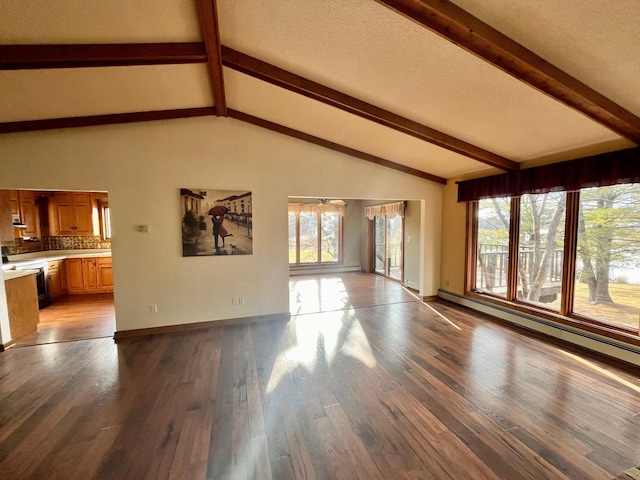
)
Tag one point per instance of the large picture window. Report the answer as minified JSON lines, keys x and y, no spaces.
{"x":578,"y":254}
{"x":607,"y":277}
{"x":315,"y":234}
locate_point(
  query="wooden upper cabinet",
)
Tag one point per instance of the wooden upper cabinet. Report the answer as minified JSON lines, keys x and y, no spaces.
{"x":74,"y":213}
{"x":84,"y":213}
{"x":29,"y":213}
{"x":15,"y":203}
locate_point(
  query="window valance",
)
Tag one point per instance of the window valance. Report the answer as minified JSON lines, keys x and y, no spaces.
{"x":313,"y":208}
{"x":597,"y":171}
{"x":388,"y":209}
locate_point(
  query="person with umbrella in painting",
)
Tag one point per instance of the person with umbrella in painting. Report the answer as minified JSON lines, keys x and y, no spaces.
{"x":217,"y":217}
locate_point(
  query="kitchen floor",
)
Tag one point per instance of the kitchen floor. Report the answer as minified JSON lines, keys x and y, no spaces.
{"x":74,"y":317}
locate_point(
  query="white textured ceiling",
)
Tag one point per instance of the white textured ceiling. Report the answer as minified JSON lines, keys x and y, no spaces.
{"x":98,"y":21}
{"x":66,"y":92}
{"x":358,"y":47}
{"x":596,"y":41}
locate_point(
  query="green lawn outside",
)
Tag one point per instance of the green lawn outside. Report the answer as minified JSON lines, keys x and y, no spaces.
{"x":625,"y":311}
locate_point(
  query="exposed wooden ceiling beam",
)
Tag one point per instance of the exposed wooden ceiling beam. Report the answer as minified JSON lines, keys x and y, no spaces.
{"x":110,"y":119}
{"x":210,"y":32}
{"x":332,"y":146}
{"x":460,"y":27}
{"x":295,"y":83}
{"x":26,"y":57}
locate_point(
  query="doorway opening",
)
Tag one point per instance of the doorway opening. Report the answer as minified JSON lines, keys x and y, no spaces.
{"x":66,"y":237}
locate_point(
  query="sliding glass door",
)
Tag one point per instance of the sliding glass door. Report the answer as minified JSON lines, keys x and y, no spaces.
{"x":388,"y":252}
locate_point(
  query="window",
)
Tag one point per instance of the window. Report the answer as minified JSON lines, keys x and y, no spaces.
{"x":315,"y":234}
{"x":309,"y":233}
{"x":578,"y":254}
{"x":105,"y":221}
{"x":492,"y":257}
{"x":607,"y":277}
{"x":540,"y":248}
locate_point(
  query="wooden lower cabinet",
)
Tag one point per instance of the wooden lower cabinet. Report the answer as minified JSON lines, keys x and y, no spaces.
{"x":57,"y":279}
{"x":105,"y":273}
{"x":74,"y":275}
{"x":89,"y":275}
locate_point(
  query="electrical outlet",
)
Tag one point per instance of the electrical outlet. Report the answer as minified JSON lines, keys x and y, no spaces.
{"x":153,"y":308}
{"x":240,"y":300}
{"x":233,"y":300}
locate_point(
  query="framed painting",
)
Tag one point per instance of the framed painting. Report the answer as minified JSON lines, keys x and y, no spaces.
{"x":216,"y":222}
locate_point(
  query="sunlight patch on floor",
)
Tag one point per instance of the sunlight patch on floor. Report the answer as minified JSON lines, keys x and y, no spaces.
{"x":318,"y":340}
{"x":602,"y":371}
{"x":441,"y":315}
{"x":317,"y":295}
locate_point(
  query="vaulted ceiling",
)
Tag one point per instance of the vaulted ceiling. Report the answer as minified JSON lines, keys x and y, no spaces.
{"x":433,"y":88}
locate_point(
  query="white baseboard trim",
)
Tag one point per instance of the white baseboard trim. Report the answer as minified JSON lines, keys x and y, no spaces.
{"x":604,"y":345}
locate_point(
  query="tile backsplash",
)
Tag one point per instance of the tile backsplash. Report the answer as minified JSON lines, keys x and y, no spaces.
{"x":76,"y":243}
{"x":19,"y":246}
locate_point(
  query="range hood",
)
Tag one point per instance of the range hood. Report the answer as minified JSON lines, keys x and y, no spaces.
{"x":16,"y":222}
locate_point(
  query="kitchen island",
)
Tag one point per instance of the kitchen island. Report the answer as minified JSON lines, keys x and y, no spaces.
{"x":22,"y":302}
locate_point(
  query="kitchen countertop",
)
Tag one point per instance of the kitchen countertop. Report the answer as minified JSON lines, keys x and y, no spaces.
{"x":32,"y":259}
{"x":11,"y":274}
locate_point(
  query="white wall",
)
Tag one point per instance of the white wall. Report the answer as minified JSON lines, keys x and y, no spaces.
{"x":143,"y":166}
{"x":412,"y":244}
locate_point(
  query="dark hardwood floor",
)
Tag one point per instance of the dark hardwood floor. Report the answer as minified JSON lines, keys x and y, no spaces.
{"x":369,"y":383}
{"x":74,"y":317}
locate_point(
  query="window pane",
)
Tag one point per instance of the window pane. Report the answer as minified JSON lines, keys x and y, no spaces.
{"x":308,"y":238}
{"x":292,"y":238}
{"x":394,"y":247}
{"x":540,"y":248}
{"x":607,"y":285}
{"x":330,"y":225}
{"x":106,"y":222}
{"x":493,"y":245}
{"x":379,"y":245}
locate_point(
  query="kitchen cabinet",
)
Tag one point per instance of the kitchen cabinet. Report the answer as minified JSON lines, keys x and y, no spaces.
{"x":89,"y":275}
{"x":22,"y":305}
{"x":73,"y":213}
{"x":105,"y":273}
{"x":15,"y":205}
{"x":25,"y":212}
{"x":29,"y":214}
{"x":75,"y":282}
{"x":56,"y":279}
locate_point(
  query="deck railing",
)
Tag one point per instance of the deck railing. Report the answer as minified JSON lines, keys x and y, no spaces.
{"x":492,"y":267}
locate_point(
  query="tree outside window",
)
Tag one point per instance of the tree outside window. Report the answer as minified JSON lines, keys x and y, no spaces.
{"x":607,"y":283}
{"x":602,"y":283}
{"x":314,"y":236}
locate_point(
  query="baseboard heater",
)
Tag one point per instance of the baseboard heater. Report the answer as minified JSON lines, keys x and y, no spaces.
{"x":604,"y":345}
